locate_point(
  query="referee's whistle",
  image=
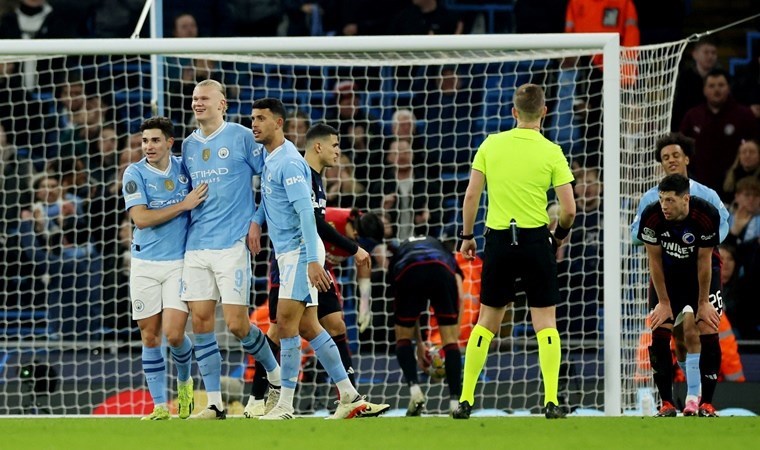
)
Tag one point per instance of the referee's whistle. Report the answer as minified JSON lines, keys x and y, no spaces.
{"x":513,"y":230}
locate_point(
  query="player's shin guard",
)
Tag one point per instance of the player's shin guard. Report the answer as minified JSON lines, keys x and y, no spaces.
{"x":255,"y":344}
{"x":327,"y":354}
{"x":405,"y":355}
{"x":549,"y":356}
{"x":709,"y":364}
{"x":341,"y":341}
{"x":182,"y":357}
{"x":474,"y":360}
{"x":209,"y":361}
{"x":453,"y":369}
{"x":662,"y":363}
{"x":155,"y":373}
{"x":692,"y":374}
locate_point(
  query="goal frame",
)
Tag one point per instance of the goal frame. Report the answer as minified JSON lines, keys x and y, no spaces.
{"x":606,"y":43}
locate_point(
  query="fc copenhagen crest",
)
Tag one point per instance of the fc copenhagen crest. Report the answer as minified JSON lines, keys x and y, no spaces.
{"x":206,"y":154}
{"x":223,"y":153}
{"x":169,"y":185}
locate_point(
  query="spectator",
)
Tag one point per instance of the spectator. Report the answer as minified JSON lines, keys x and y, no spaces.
{"x":54,"y":210}
{"x":256,"y":17}
{"x":744,"y":233}
{"x":746,"y":164}
{"x":73,"y":275}
{"x":405,"y":194}
{"x":103,"y":162}
{"x":746,"y":86}
{"x":718,"y":126}
{"x":367,"y":17}
{"x":581,"y":265}
{"x":14,"y":190}
{"x":211,"y":18}
{"x":36,"y":19}
{"x":360,"y":132}
{"x":426,"y":17}
{"x":185,"y":27}
{"x":594,"y":16}
{"x":691,"y":79}
{"x":341,"y":187}
{"x":448,"y":106}
{"x":296,"y":125}
{"x":728,"y":279}
{"x":116,"y":18}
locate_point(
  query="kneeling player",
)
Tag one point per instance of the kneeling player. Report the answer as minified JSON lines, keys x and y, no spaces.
{"x":681,"y":235}
{"x":421,"y":269}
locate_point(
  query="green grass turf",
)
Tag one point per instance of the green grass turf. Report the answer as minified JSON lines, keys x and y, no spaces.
{"x":384,"y":433}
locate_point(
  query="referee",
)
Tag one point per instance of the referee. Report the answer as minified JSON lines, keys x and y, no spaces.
{"x":519,"y":166}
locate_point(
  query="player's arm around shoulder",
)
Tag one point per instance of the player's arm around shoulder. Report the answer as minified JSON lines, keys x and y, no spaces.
{"x":144,"y":217}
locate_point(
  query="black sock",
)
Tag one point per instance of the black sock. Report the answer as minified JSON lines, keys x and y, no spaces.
{"x":662,"y":363}
{"x":407,"y":361}
{"x":709,"y":365}
{"x":453,"y":370}
{"x":341,"y":341}
{"x":260,"y":383}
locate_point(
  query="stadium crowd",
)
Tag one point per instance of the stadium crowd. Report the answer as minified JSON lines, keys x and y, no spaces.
{"x":66,"y":139}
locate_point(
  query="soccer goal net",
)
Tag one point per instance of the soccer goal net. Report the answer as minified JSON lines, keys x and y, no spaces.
{"x":411,"y":113}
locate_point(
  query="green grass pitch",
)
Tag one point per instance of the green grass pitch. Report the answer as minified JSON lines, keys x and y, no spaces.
{"x":583,"y":433}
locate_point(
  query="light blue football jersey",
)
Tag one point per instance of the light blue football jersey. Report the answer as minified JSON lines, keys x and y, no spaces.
{"x":696,"y":189}
{"x":226,"y":160}
{"x":286,"y":179}
{"x":144,"y":184}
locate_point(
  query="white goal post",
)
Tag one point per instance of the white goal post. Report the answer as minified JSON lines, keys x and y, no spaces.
{"x":387,"y":73}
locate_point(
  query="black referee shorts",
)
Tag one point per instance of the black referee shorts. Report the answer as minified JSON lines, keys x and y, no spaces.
{"x":420,"y":283}
{"x":683,"y":290}
{"x":532,"y":260}
{"x":327,"y":302}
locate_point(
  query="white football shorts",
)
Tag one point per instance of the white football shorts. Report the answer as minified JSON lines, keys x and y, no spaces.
{"x":211,"y":274}
{"x":294,"y":276}
{"x":155,"y":286}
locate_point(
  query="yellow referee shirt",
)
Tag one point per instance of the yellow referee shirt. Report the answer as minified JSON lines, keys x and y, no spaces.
{"x":520,"y":165}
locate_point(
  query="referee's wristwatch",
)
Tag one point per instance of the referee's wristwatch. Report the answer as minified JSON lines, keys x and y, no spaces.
{"x":466,"y":237}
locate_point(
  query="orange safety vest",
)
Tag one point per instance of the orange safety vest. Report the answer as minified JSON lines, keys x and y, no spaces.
{"x":608,"y":16}
{"x":731,"y":368}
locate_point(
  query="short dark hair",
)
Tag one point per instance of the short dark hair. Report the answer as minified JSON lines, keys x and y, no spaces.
{"x":686,"y":144}
{"x":272,"y":104}
{"x":674,"y":183}
{"x":161,"y":123}
{"x":529,"y":100}
{"x":748,"y":184}
{"x":369,"y":225}
{"x":320,"y":130}
{"x":714,"y":73}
